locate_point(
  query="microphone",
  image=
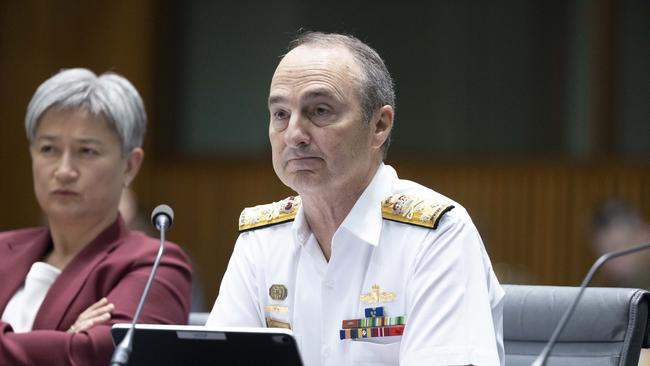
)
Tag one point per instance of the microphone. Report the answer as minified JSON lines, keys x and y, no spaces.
{"x":162,"y":218}
{"x":541,"y":359}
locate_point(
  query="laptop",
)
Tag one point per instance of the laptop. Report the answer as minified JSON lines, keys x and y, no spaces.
{"x":167,"y":345}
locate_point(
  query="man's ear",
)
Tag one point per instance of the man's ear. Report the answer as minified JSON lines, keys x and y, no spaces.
{"x":382,"y":124}
{"x":133,"y":163}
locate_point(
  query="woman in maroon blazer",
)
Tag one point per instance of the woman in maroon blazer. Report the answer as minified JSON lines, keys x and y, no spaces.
{"x":64,"y":285}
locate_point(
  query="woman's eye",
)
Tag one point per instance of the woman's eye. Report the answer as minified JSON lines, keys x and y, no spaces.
{"x":46,"y":149}
{"x":88,"y":151}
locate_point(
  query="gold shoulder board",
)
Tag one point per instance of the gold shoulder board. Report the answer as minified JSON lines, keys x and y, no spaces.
{"x":270,"y":214}
{"x":413,"y":210}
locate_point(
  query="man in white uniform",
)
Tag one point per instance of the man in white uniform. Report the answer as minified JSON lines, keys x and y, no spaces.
{"x":365,"y":268}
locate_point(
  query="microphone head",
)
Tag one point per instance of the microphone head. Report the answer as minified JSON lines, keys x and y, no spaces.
{"x":162,"y":210}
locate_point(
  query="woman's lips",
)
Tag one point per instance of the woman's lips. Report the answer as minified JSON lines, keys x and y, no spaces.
{"x":64,"y":192}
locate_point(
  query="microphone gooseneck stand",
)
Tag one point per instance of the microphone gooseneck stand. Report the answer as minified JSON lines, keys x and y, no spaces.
{"x":162,"y":217}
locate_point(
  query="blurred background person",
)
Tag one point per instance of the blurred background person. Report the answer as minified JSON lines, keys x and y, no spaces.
{"x":618,"y":225}
{"x":133,"y":217}
{"x":65,"y":284}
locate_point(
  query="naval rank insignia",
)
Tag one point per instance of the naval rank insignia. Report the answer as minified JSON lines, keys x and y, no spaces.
{"x":377,"y":296}
{"x":413,"y":210}
{"x":278,"y":292}
{"x":271,"y":214}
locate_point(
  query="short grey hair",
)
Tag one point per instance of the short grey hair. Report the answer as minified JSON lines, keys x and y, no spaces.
{"x":109,"y":95}
{"x":377,"y":88}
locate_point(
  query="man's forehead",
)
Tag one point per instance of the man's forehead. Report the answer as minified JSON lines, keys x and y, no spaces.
{"x":309,"y":67}
{"x":326,"y":54}
{"x":303,"y":59}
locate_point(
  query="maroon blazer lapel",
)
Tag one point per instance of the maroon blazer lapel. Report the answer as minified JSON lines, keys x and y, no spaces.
{"x":66,"y":287}
{"x":18,"y":251}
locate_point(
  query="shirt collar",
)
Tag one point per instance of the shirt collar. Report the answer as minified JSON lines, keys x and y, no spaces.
{"x":364,"y":220}
{"x":300,"y":228}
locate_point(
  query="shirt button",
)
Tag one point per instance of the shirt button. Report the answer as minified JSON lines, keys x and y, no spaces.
{"x":326,"y":351}
{"x":329,"y":283}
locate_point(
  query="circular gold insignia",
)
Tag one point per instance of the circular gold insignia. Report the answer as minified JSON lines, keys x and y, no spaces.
{"x":278,"y":292}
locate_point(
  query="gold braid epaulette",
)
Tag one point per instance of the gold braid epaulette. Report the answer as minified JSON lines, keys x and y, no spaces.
{"x":413,"y":210}
{"x":269,"y":214}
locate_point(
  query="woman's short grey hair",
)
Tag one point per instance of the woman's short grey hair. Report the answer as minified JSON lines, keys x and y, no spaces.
{"x":109,"y":95}
{"x":377,"y":88}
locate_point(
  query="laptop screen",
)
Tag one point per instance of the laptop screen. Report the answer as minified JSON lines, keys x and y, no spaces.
{"x":164,"y":345}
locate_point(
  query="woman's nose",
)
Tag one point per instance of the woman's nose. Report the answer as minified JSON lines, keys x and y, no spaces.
{"x":66,"y":170}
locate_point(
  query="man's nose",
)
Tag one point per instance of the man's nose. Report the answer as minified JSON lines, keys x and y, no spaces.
{"x":297,"y":132}
{"x":66,"y":170}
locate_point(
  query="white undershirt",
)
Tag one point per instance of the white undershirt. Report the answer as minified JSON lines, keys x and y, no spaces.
{"x":23,"y":306}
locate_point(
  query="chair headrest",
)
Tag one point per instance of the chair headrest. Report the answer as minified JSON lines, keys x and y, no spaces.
{"x":531,"y":313}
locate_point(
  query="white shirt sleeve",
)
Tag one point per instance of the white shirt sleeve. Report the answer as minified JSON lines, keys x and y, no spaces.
{"x":454,"y":301}
{"x":237,"y":303}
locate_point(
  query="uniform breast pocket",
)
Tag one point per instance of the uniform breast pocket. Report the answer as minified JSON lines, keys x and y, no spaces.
{"x":369,"y":353}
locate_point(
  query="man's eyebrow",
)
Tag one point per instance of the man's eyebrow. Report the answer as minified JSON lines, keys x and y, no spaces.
{"x":314,"y":94}
{"x":275,"y":99}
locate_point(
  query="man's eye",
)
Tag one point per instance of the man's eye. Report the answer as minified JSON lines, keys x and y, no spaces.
{"x":320,"y":111}
{"x":280,"y":114}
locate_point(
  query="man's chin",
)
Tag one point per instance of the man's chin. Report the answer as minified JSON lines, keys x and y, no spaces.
{"x":303,"y":181}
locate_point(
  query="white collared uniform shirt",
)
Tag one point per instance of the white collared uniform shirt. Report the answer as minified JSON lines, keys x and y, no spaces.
{"x":442,"y":280}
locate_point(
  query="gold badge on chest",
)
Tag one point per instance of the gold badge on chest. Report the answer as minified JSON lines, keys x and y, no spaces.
{"x":376,"y":296}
